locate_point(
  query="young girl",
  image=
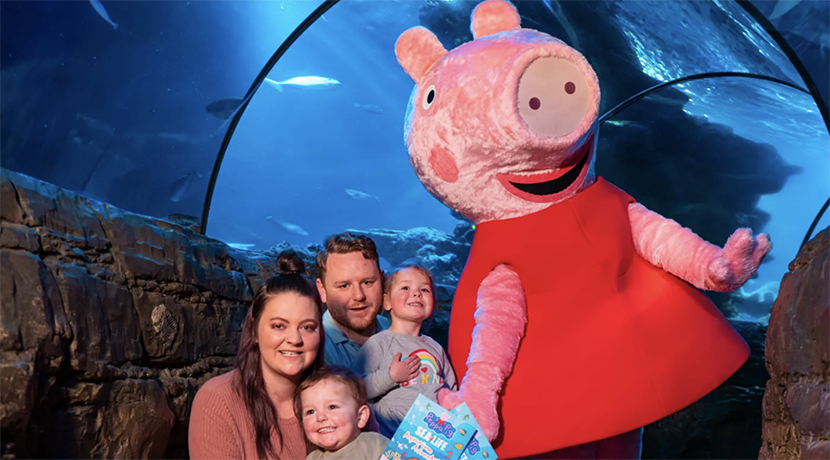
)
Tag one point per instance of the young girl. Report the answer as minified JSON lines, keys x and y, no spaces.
{"x":393,"y":384}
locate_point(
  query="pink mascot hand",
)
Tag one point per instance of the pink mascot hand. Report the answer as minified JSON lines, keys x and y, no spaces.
{"x":481,"y":393}
{"x":501,"y":317}
{"x":449,"y":399}
{"x":732,"y":266}
{"x":677,"y":250}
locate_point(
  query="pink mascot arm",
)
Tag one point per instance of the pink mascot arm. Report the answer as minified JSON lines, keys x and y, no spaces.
{"x":677,"y":250}
{"x":501,"y":316}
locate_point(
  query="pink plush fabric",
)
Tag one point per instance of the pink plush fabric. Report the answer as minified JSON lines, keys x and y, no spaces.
{"x":472,"y":131}
{"x":500,"y":318}
{"x":494,"y":17}
{"x":417,"y":49}
{"x":679,"y":251}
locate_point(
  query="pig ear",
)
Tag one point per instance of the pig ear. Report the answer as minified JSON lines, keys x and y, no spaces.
{"x":417,"y":49}
{"x":494,"y":16}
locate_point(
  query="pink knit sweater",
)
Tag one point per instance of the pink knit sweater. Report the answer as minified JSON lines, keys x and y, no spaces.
{"x":221,"y":428}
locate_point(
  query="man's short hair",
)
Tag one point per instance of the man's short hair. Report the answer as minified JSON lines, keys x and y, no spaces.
{"x":346,"y":243}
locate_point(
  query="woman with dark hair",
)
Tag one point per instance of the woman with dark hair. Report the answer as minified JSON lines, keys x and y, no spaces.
{"x":248,"y":413}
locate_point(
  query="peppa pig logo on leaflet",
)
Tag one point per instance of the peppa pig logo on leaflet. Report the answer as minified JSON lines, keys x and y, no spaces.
{"x":473,"y":447}
{"x":439,"y":425}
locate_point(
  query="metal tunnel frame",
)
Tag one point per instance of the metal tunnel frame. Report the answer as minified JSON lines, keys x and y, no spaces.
{"x":812,"y":89}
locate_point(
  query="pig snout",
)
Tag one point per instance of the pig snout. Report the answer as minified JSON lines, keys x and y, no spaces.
{"x":553,"y":96}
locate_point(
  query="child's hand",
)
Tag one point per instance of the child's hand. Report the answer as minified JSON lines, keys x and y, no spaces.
{"x":402,"y":371}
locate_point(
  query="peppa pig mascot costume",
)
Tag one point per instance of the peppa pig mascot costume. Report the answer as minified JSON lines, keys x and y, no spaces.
{"x":578,"y":316}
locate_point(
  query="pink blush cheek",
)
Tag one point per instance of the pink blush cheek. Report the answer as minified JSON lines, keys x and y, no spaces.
{"x":443,"y":164}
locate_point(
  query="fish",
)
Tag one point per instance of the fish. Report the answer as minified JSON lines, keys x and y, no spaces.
{"x":782,"y":7}
{"x":621,"y":123}
{"x":293,"y":228}
{"x":99,"y":8}
{"x":242,"y":246}
{"x":307,"y":82}
{"x":358,"y":195}
{"x":181,"y":185}
{"x":371,"y":108}
{"x":224,"y":108}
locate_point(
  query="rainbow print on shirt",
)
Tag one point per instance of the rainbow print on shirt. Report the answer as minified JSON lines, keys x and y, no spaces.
{"x":430,"y":371}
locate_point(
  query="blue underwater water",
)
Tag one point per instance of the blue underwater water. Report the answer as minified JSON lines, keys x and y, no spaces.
{"x":135,"y":114}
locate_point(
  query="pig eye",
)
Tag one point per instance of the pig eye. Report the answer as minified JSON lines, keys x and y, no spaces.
{"x":429,"y":97}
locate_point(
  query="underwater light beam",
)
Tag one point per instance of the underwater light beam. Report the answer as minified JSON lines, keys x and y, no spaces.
{"x":745,"y":4}
{"x":805,"y":76}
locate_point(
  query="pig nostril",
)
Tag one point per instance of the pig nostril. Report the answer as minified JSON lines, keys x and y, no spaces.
{"x":570,"y":88}
{"x":535,"y":103}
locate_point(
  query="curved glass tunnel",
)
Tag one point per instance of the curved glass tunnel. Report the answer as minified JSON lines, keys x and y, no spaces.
{"x":736,"y":172}
{"x":695,"y":152}
{"x":136,"y":115}
{"x":119,"y":114}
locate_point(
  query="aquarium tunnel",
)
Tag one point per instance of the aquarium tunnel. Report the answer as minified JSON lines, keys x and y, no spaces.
{"x":282,"y":121}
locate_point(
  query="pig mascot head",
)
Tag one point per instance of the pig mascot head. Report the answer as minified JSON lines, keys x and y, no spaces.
{"x":504,"y":125}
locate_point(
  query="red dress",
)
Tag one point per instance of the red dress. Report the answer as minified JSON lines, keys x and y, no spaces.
{"x":612,"y":342}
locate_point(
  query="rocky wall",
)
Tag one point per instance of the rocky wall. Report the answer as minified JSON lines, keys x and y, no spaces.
{"x":110,"y":322}
{"x":796,"y":405}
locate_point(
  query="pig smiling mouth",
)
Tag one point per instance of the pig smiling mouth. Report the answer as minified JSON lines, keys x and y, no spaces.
{"x":552,"y":186}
